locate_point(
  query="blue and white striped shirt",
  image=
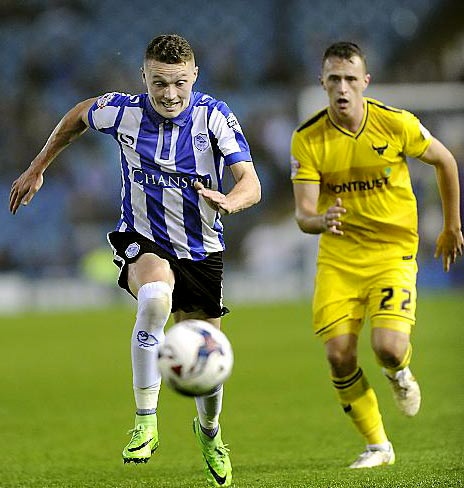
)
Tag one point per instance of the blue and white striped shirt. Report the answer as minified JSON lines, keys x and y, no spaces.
{"x":160,"y":161}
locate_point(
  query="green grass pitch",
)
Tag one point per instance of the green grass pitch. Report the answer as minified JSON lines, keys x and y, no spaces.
{"x":66,"y":405}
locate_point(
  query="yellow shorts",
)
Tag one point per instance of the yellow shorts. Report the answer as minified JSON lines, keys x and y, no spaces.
{"x":343,"y":299}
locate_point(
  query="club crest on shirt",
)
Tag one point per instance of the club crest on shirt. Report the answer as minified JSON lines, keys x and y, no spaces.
{"x":380,"y":149}
{"x":201,"y":142}
{"x":132,"y":250}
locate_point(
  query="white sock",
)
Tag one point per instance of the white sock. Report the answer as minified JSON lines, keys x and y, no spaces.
{"x":399,"y":374}
{"x":153,"y":310}
{"x":209,"y":407}
{"x":385,"y":446}
{"x":146,"y":399}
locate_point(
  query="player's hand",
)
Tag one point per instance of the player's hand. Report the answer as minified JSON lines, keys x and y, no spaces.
{"x":450,"y":245}
{"x":24,"y":188}
{"x":330,"y":220}
{"x":215,"y":199}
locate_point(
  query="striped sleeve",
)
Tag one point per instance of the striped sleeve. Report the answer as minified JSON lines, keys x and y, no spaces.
{"x":104,"y":112}
{"x":228,"y":133}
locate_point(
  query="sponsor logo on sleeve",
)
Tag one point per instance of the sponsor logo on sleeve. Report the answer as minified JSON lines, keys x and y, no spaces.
{"x":232,"y":122}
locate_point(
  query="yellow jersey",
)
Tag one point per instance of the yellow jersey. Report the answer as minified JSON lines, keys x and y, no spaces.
{"x":368,"y":170}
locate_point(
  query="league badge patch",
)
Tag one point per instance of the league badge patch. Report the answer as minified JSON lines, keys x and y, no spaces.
{"x":294,"y":167}
{"x":105,"y":99}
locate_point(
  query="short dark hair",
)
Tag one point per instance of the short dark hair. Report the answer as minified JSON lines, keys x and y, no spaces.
{"x":344,"y":50}
{"x":170,"y":49}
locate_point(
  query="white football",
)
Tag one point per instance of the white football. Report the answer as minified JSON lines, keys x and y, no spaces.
{"x":195,"y":357}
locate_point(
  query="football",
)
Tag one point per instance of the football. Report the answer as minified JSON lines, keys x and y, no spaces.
{"x":195,"y":357}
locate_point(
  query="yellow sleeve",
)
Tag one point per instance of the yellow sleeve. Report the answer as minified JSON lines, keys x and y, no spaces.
{"x":416,"y":137}
{"x":303,"y":163}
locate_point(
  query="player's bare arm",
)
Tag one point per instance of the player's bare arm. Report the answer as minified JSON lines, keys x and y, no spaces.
{"x":450,"y":242}
{"x":70,"y":127}
{"x":245,"y":193}
{"x":307,"y":216}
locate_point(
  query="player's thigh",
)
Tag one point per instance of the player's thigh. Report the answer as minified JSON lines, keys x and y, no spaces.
{"x":338,"y":307}
{"x":140,"y":261}
{"x":199,"y":288}
{"x":392,"y":297}
{"x":180,"y":315}
{"x":149,"y":268}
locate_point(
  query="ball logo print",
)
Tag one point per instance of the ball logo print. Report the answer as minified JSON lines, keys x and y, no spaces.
{"x":209,"y":347}
{"x":195,"y":357}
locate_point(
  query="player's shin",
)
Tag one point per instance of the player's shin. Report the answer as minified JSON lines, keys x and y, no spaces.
{"x":360,"y":404}
{"x":405,"y":388}
{"x":154,"y":308}
{"x":209,"y":408}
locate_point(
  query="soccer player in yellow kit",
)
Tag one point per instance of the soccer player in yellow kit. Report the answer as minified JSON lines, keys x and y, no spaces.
{"x":352,"y":185}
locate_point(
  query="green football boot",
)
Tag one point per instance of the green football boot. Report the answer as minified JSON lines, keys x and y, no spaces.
{"x":144,"y":441}
{"x":216,"y":456}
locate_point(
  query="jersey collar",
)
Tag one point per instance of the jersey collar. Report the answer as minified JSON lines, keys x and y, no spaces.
{"x":361,"y":127}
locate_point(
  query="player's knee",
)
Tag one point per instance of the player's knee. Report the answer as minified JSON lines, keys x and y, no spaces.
{"x":341,"y":352}
{"x":149,"y":268}
{"x":342,"y":361}
{"x":390,"y":347}
{"x":390,"y":354}
{"x":154,"y":301}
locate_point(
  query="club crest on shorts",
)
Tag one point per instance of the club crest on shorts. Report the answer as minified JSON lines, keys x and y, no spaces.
{"x":132,"y":250}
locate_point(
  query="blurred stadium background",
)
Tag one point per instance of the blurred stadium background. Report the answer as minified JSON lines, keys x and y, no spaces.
{"x":262,"y":57}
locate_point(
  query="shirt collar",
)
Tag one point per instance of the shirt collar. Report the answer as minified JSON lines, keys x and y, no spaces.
{"x":361,"y":127}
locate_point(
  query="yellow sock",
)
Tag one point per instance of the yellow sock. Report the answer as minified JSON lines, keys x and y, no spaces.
{"x":360,"y":403}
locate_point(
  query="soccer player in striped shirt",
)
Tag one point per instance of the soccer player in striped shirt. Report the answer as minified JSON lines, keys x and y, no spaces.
{"x":352,"y":185}
{"x":174,"y":146}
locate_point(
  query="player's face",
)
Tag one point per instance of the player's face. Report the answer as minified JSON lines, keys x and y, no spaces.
{"x":345,"y":81}
{"x":169,"y":86}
